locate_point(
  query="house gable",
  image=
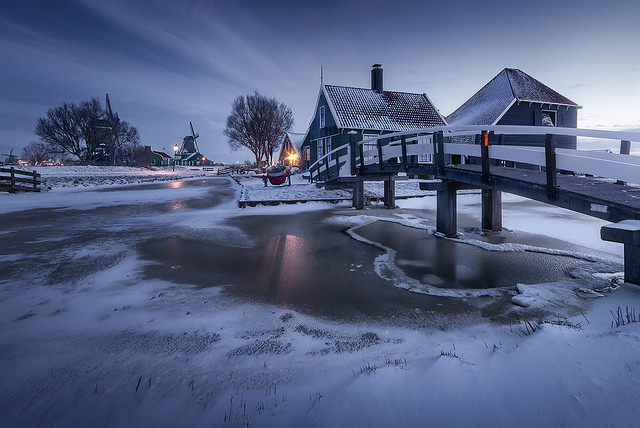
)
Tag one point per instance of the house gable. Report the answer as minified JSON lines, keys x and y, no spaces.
{"x":503,"y":94}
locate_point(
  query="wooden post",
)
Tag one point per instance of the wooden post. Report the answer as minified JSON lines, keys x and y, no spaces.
{"x":13,"y":180}
{"x":358,"y":194}
{"x":484,"y":153}
{"x":35,"y":180}
{"x":380,"y":154}
{"x":390,"y":192}
{"x":337,"y":165}
{"x":403,"y":141}
{"x":491,"y":209}
{"x":447,"y":215}
{"x":439,"y":151}
{"x":626,"y":232}
{"x":352,"y":151}
{"x":361,"y":158}
{"x":550,"y":162}
{"x":625,"y":149}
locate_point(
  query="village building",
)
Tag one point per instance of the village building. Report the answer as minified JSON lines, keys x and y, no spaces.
{"x":515,"y":98}
{"x":155,"y":158}
{"x":290,"y":150}
{"x":369,"y":112}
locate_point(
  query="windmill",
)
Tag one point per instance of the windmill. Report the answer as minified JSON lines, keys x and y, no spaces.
{"x":114,"y":122}
{"x":189,"y":144}
{"x":10,"y":159}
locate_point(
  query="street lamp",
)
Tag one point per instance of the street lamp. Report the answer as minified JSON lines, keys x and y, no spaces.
{"x":175,"y":153}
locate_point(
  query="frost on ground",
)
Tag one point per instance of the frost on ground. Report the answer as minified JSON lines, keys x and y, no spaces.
{"x":86,"y":339}
{"x":254,"y":191}
{"x":62,"y":177}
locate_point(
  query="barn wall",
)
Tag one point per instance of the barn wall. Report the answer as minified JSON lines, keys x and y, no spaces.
{"x":531,"y":115}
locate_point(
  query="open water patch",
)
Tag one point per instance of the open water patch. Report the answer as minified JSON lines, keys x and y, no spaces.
{"x":423,"y":262}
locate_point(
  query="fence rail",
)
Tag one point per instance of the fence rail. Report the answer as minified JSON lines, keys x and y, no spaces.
{"x":407,"y":144}
{"x":13,"y":180}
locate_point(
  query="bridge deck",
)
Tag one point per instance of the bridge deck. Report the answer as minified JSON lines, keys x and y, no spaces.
{"x":582,"y":194}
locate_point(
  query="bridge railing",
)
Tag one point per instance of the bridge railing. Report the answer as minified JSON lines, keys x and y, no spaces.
{"x":346,"y":161}
{"x":334,"y":164}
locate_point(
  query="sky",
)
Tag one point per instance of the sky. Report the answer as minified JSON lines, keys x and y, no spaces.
{"x":165,"y":63}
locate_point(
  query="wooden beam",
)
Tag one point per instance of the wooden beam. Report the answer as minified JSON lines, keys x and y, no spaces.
{"x":550,"y":164}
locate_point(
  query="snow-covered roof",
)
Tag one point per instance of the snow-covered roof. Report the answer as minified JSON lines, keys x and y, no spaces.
{"x":359,"y":108}
{"x":163,"y":154}
{"x":297,"y":138}
{"x":490,"y":103}
{"x":192,"y":157}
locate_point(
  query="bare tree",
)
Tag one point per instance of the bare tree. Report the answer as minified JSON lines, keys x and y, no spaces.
{"x":60,"y":132}
{"x":35,"y":153}
{"x":280,"y":122}
{"x":125,"y":140}
{"x":81,"y":129}
{"x":259,"y":124}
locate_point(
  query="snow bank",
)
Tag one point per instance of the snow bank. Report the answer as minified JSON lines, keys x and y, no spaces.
{"x":62,"y":177}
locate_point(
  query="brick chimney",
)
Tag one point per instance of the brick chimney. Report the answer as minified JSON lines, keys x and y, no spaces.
{"x":376,"y":78}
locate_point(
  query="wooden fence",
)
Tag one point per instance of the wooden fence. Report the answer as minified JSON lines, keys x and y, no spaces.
{"x":13,"y":180}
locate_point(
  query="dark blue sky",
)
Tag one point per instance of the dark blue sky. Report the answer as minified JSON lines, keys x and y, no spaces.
{"x":165,"y":63}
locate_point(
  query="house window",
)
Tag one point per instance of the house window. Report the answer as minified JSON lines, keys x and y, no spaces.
{"x":321,"y":116}
{"x":327,"y":144}
{"x":369,"y":146}
{"x":320,"y":144}
{"x":548,"y":118}
{"x":424,"y":158}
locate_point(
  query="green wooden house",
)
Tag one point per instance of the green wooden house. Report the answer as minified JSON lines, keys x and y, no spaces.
{"x":368,"y":112}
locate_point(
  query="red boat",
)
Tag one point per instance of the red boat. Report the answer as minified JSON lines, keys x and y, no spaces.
{"x":278,"y":174}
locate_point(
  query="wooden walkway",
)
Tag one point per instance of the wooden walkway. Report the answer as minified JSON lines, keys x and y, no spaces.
{"x":593,"y":196}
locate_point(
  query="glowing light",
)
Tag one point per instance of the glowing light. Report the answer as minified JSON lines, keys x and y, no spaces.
{"x":486,"y":139}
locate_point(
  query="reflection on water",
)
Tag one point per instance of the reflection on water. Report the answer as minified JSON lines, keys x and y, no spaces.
{"x":447,"y":264}
{"x":282,"y":262}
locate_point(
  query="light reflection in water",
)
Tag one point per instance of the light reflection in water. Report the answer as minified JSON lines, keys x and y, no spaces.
{"x":283,"y":260}
{"x":177,"y":205}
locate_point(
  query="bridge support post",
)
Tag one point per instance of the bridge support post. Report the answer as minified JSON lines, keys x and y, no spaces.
{"x":447,"y":210}
{"x":552,"y":172}
{"x":390,"y":192}
{"x":491,"y":209}
{"x":358,"y":194}
{"x":484,"y":152}
{"x":626,"y":232}
{"x":352,"y":151}
{"x":438,"y":146}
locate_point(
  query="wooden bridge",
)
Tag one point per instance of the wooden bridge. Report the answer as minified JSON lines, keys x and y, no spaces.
{"x":599,"y":184}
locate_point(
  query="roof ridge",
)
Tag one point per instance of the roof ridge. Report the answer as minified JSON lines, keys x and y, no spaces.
{"x":506,"y":70}
{"x":373,"y":90}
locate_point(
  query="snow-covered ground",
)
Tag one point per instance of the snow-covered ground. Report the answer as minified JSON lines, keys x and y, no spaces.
{"x":111,"y":348}
{"x":60,"y":177}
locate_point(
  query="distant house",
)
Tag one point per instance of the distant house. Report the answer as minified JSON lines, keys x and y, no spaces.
{"x":290,"y":150}
{"x":191,"y":159}
{"x":154,"y":158}
{"x":368,"y":112}
{"x":515,"y":98}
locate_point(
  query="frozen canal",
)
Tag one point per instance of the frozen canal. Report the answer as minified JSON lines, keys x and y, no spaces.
{"x":165,"y":304}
